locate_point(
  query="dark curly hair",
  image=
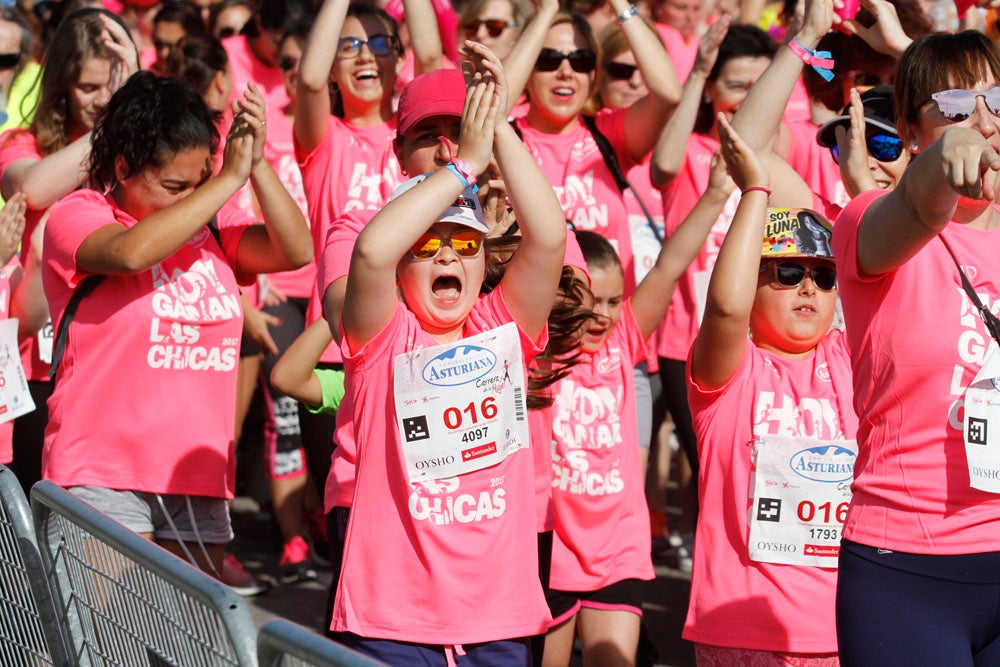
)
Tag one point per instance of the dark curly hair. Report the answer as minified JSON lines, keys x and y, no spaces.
{"x":149,"y":120}
{"x":569,"y":315}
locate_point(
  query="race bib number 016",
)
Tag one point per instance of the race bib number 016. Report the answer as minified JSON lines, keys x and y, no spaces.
{"x":461,"y":406}
{"x":801,"y":492}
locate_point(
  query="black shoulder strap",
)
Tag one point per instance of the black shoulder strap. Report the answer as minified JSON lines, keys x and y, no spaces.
{"x":86,"y":287}
{"x":611,"y":160}
{"x":989,"y":319}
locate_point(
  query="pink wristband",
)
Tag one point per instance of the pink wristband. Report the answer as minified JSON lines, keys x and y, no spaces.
{"x":757,"y":188}
{"x":466,"y":170}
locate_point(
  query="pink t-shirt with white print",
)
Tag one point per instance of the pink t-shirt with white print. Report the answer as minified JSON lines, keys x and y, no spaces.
{"x":145,"y":396}
{"x":680,"y":325}
{"x":737,"y":602}
{"x":446,"y":562}
{"x":7,"y":428}
{"x":602,"y":521}
{"x":917,"y":342}
{"x":21,"y":145}
{"x":353,"y":168}
{"x":590,"y":198}
{"x":279,"y":151}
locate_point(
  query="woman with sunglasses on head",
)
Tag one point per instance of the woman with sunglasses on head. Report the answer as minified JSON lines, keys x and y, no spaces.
{"x":555,"y":61}
{"x":770,"y":390}
{"x":921,"y":552}
{"x":91,"y":55}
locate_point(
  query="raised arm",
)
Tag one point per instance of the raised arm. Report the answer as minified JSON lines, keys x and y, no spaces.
{"x":371,"y":295}
{"x":532,"y":277}
{"x":759,"y":116}
{"x":425,"y":37}
{"x":652,"y":295}
{"x":671,"y":147}
{"x":115,"y":249}
{"x":895,"y":227}
{"x":720,"y":344}
{"x":521,"y":60}
{"x":312,"y":89}
{"x":283,"y":242}
{"x":646,"y":116}
{"x":293,"y":374}
{"x":27,"y":301}
{"x":46,"y":181}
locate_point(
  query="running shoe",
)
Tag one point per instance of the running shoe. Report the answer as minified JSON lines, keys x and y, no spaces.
{"x":295,"y":564}
{"x":236,"y":577}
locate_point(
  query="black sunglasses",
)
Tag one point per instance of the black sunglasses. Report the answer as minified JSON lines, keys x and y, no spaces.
{"x":9,"y":60}
{"x":288,"y":63}
{"x":791,"y":274}
{"x":494,"y":27}
{"x":882,"y":147}
{"x":582,"y":61}
{"x":620,"y":71}
{"x":228,"y":31}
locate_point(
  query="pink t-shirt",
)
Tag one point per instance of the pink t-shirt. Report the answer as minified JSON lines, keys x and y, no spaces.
{"x":735,"y":601}
{"x":20,"y":145}
{"x":352,"y":168}
{"x":243,"y":68}
{"x":911,"y":481}
{"x":456,"y":560}
{"x":680,"y":325}
{"x":682,"y":51}
{"x":814,"y":163}
{"x":7,"y":428}
{"x":602,"y":521}
{"x":573,"y":164}
{"x":279,"y":151}
{"x":797,"y":109}
{"x":145,"y":396}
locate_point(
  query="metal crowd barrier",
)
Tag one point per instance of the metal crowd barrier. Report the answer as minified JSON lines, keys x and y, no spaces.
{"x":29,"y":631}
{"x":285,"y":644}
{"x":122,"y":600}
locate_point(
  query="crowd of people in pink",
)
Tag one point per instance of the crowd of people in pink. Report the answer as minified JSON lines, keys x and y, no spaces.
{"x":474,"y":270}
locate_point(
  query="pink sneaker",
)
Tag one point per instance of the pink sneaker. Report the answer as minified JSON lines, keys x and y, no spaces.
{"x":295,"y":564}
{"x":236,"y":577}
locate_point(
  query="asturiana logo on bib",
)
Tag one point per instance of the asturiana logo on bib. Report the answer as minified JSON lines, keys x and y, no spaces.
{"x":459,"y":365}
{"x":826,"y":463}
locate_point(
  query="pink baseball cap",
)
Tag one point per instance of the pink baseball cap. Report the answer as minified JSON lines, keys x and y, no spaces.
{"x":437,"y":93}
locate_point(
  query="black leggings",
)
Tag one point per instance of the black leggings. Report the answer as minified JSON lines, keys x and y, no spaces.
{"x":907,"y":609}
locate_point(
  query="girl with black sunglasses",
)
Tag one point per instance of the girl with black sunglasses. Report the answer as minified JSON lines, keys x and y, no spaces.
{"x":771,"y":398}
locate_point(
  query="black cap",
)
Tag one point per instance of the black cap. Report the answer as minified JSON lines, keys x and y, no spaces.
{"x":880,"y":111}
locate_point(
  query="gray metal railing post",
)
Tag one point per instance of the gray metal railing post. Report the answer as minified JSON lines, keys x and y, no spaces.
{"x":29,"y":629}
{"x":125,"y":601}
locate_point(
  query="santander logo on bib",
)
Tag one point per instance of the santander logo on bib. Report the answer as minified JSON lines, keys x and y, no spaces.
{"x":825,"y":463}
{"x":459,"y":365}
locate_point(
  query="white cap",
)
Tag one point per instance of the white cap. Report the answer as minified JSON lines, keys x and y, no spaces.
{"x":466,"y":210}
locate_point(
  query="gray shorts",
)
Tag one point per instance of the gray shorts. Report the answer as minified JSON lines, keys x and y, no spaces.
{"x":141,"y":511}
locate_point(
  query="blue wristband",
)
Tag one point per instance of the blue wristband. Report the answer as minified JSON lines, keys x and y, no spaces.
{"x":453,"y":169}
